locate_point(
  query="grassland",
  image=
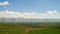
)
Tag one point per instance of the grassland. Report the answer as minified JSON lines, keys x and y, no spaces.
{"x":30,"y":28}
{"x":46,"y":31}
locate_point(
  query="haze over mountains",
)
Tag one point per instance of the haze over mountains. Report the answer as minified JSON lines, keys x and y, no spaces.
{"x":28,"y":20}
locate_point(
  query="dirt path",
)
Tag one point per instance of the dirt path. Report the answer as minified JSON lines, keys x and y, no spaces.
{"x":31,"y":29}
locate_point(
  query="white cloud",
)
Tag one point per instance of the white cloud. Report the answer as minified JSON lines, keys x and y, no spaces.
{"x":52,"y":12}
{"x":12,"y":14}
{"x":55,"y":12}
{"x":4,"y":3}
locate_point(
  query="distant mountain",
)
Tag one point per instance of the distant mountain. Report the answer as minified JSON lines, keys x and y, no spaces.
{"x":28,"y":20}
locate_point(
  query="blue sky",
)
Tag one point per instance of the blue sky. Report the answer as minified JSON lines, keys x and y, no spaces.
{"x":32,"y":5}
{"x":44,"y":7}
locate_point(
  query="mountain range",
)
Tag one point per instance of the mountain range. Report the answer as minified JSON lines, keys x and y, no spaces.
{"x":28,"y":20}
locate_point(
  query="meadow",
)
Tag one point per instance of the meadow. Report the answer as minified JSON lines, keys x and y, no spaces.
{"x":30,"y":28}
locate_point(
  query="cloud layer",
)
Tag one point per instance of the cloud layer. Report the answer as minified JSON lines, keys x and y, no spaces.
{"x":12,"y":14}
{"x":4,"y":3}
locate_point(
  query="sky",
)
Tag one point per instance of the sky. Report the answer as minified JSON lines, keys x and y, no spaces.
{"x":30,"y":8}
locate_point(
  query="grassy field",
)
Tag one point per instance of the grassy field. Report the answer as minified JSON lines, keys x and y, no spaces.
{"x":45,"y":31}
{"x":29,"y":28}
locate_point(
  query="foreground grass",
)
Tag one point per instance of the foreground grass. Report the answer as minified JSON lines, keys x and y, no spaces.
{"x":45,"y":31}
{"x":8,"y":28}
